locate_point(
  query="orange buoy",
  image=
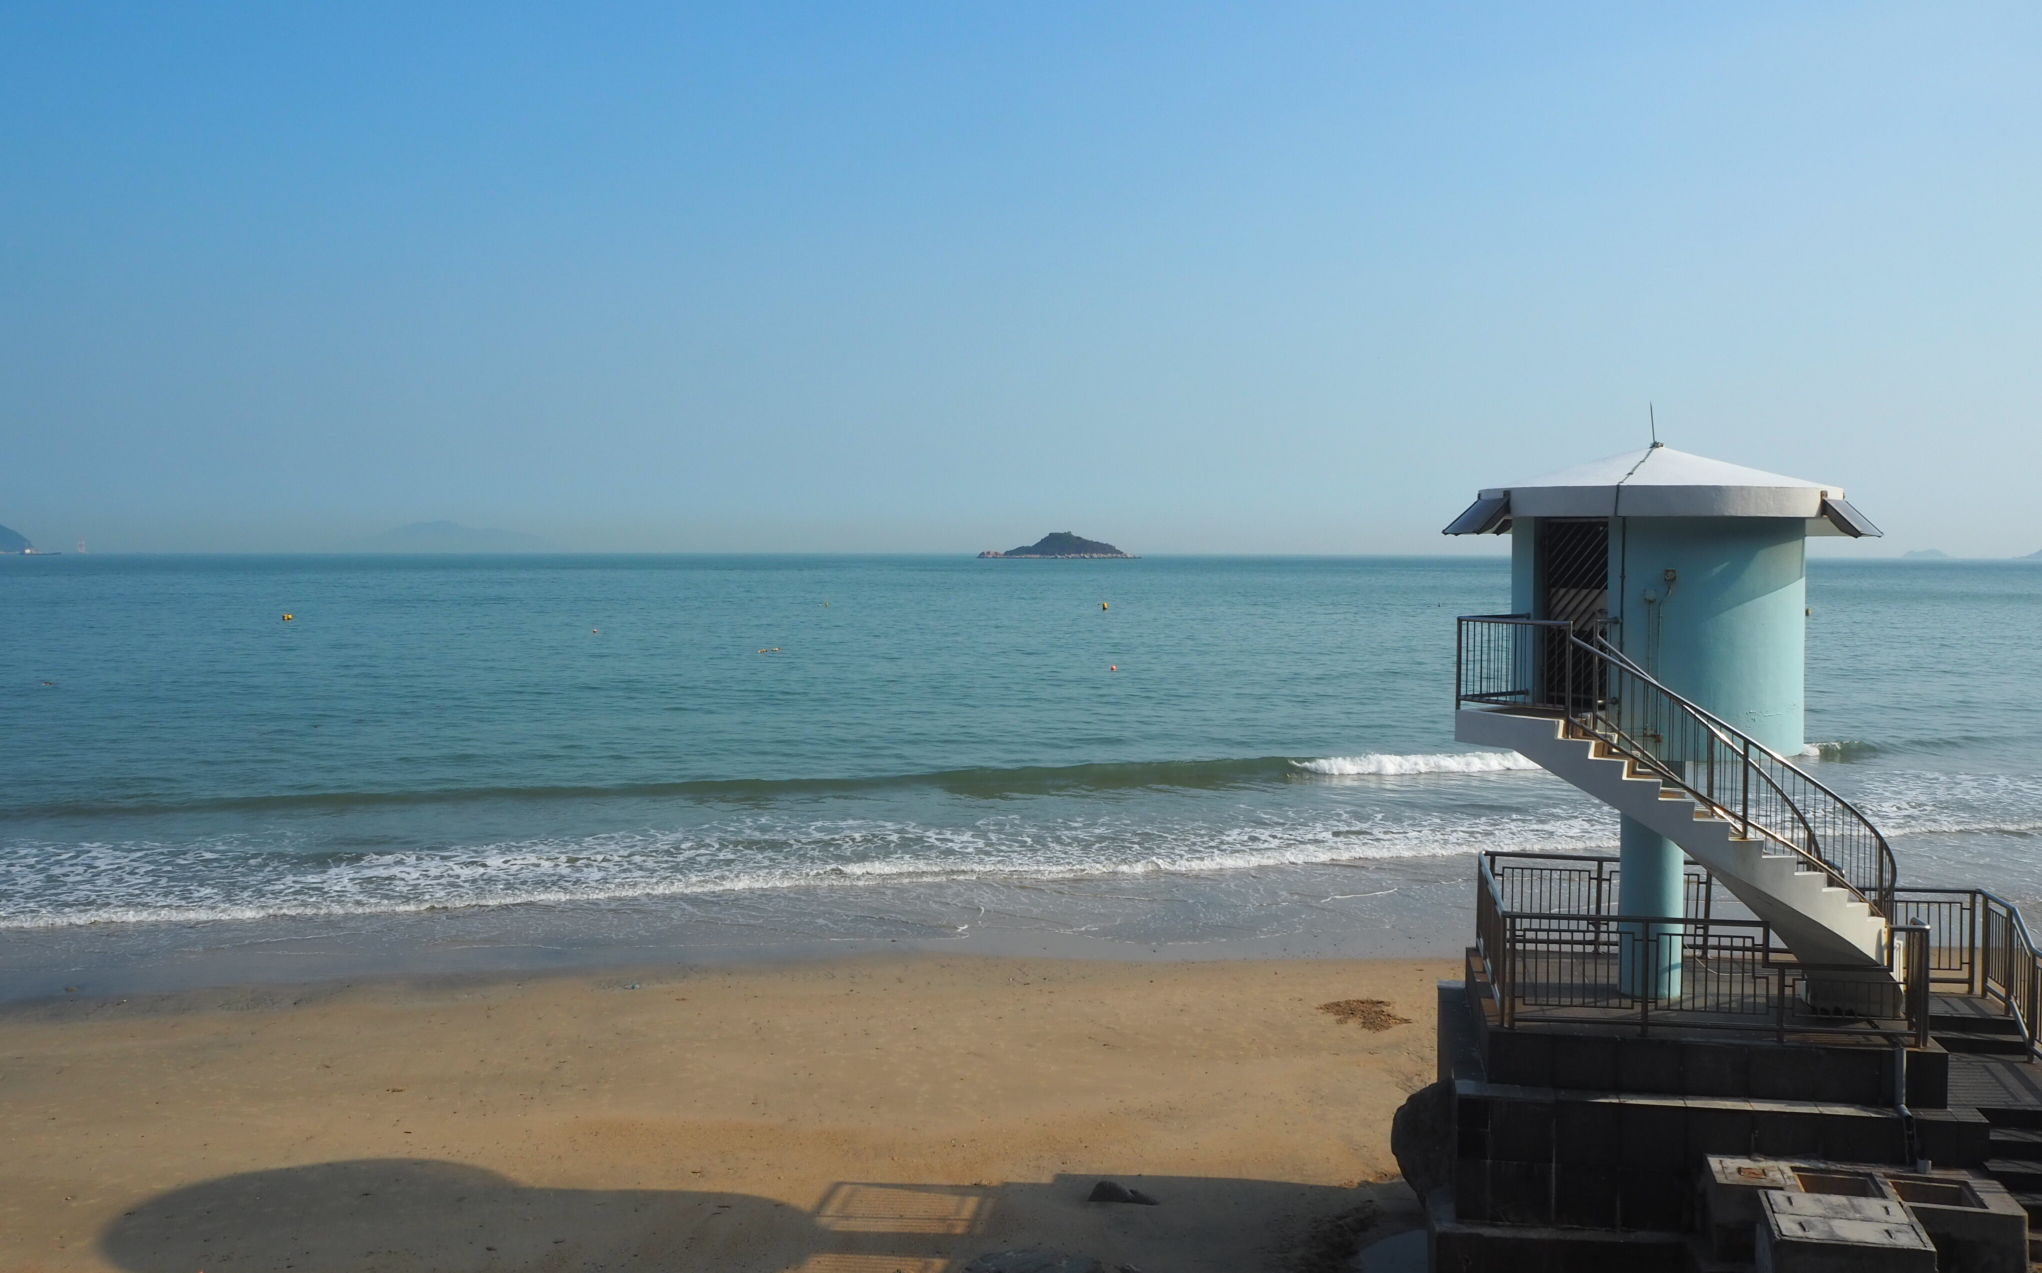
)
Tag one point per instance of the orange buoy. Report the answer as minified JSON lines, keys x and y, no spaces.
{"x":1113,"y":667}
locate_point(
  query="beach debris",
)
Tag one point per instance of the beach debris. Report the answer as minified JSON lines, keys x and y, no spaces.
{"x":1108,"y":1191}
{"x":1033,"y":1260}
{"x":1369,"y":1014}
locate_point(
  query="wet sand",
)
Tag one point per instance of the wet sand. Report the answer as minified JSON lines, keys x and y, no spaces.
{"x":851,"y":1116}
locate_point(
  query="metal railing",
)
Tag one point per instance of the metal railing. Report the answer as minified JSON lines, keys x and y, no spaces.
{"x":1583,"y":884}
{"x":1548,"y":666}
{"x":1981,"y":947}
{"x":1585,"y":963}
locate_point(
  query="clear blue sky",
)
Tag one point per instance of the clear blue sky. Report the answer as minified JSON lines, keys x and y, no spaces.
{"x":942,"y":277}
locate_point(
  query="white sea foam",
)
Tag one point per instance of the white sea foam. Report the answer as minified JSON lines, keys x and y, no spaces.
{"x":138,"y":882}
{"x":1386,"y":763}
{"x":249,"y":875}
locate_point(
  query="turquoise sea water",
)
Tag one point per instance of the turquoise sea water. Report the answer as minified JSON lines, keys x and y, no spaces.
{"x":844,"y":746}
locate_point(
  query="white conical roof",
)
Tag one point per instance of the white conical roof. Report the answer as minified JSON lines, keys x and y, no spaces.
{"x":1660,"y":481}
{"x":1664,"y":466}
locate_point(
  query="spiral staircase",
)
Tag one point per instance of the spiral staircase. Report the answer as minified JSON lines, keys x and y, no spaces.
{"x":1799,"y":856}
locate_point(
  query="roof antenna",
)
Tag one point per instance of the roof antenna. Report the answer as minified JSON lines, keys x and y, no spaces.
{"x":1653,"y":417}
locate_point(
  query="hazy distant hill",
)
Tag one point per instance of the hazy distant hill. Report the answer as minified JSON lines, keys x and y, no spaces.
{"x":448,"y":537}
{"x":2033,"y":556}
{"x":13,"y":541}
{"x":1062,"y":543}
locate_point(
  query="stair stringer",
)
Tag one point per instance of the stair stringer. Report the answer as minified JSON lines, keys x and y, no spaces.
{"x":1818,"y":921}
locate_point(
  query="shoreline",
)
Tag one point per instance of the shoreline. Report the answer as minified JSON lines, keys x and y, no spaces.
{"x":879,"y":1111}
{"x":1369,"y":909}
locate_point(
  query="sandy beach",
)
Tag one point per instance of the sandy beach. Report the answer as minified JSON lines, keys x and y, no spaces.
{"x":856,"y":1116}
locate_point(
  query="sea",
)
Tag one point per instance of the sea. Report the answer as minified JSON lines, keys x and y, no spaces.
{"x":265,"y":769}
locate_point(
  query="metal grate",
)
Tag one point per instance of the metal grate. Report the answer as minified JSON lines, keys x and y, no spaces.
{"x":1574,"y":571}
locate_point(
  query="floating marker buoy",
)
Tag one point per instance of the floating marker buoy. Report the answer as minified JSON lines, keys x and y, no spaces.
{"x":1104,"y":606}
{"x":1113,"y":667}
{"x":289,"y":616}
{"x":596,"y":631}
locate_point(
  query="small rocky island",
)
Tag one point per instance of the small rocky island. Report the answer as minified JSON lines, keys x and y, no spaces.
{"x":1063,"y":544}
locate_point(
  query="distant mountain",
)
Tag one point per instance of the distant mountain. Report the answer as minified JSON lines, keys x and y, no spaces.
{"x":448,"y":537}
{"x":1062,"y":543}
{"x":13,"y":541}
{"x":1930,"y":554}
{"x":2033,"y":556}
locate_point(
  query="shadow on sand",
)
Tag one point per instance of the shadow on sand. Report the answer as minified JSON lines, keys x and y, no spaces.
{"x":413,"y":1214}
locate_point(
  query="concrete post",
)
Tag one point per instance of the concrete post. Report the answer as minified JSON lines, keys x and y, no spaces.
{"x":1649,"y":882}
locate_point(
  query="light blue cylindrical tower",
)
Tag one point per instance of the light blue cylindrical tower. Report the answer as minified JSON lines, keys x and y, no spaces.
{"x":1694,"y":570}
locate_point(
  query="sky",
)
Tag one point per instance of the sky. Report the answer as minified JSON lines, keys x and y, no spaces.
{"x":1259,"y":278}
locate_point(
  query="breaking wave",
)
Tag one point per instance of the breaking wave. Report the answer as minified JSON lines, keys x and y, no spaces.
{"x":65,"y":885}
{"x":990,"y":783}
{"x":1387,"y":765}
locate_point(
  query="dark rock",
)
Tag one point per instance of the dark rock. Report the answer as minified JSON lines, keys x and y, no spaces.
{"x":1421,"y":1137}
{"x":1062,"y":543}
{"x":1033,"y":1260}
{"x":1107,"y":1191}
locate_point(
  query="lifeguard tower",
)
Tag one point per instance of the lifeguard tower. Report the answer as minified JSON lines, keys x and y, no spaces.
{"x":1741,"y":1041}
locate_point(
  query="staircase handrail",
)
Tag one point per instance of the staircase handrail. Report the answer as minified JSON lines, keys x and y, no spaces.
{"x":1732,"y":736}
{"x":1876,"y":892}
{"x":1639,"y":753}
{"x":1725,"y":727}
{"x":1642,"y":754}
{"x":1737,"y":738}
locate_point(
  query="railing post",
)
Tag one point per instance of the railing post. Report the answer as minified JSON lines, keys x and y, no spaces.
{"x":1460,"y":661}
{"x":1917,"y":988}
{"x":1745,"y":805}
{"x":1505,"y":974}
{"x":1647,"y":950}
{"x":1974,"y":949}
{"x":1779,"y":991}
{"x":1567,"y":662}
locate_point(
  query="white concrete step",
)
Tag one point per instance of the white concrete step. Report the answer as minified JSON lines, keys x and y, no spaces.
{"x":1817,"y":920}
